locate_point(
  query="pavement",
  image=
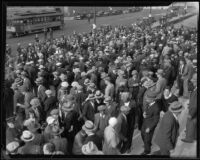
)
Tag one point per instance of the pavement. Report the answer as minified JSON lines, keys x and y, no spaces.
{"x":181,"y":150}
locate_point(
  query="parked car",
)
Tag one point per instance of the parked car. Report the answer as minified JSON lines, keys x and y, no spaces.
{"x":99,"y":13}
{"x":125,"y":11}
{"x":106,"y":13}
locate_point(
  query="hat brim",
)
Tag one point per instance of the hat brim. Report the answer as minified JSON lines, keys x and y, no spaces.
{"x":27,"y":140}
{"x":88,"y":130}
{"x":176,"y":111}
{"x":100,"y":96}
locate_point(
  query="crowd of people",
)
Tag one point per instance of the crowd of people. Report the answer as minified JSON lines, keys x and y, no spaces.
{"x":86,"y":93}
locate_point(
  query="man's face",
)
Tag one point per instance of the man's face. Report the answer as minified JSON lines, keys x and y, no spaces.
{"x":166,"y":92}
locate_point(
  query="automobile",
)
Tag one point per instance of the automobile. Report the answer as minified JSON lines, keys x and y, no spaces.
{"x":125,"y":11}
{"x":99,"y":13}
{"x":106,"y":13}
{"x":80,"y":16}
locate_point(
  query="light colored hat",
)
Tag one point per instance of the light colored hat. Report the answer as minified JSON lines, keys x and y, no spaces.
{"x":12,"y":146}
{"x":76,"y":70}
{"x":160,"y":72}
{"x":50,"y":120}
{"x":39,"y":80}
{"x":54,"y":112}
{"x":74,"y":84}
{"x":90,"y":149}
{"x":27,"y":136}
{"x":101,"y":107}
{"x":88,"y":126}
{"x":67,"y":107}
{"x":58,"y":64}
{"x":176,"y":107}
{"x":83,"y":74}
{"x":107,"y":99}
{"x":35,"y":102}
{"x":48,"y":92}
{"x":41,"y":67}
{"x":64,"y":84}
{"x":98,"y":94}
{"x":112,"y":121}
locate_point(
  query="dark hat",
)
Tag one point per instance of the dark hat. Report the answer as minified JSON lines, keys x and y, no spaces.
{"x":150,"y":96}
{"x":54,"y":112}
{"x":88,"y":126}
{"x":39,"y":80}
{"x":101,"y":107}
{"x":98,"y":94}
{"x":176,"y":107}
{"x":33,"y":126}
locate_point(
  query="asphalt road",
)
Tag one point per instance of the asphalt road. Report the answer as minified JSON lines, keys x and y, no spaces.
{"x":83,"y":26}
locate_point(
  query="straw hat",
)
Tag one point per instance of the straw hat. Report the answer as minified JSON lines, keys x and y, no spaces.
{"x":88,"y":126}
{"x":12,"y":146}
{"x":50,"y":120}
{"x":176,"y":107}
{"x":74,"y":84}
{"x":39,"y":80}
{"x":27,"y":136}
{"x":64,"y":85}
{"x":48,"y":92}
{"x":67,"y":107}
{"x":90,"y":149}
{"x":98,"y":94}
{"x":101,"y":107}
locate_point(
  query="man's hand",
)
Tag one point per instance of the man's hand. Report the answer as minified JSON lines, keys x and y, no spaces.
{"x":147,"y":130}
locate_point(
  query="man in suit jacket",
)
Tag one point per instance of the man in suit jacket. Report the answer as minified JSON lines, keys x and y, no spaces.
{"x":168,"y":132}
{"x":89,"y":129}
{"x":89,"y":108}
{"x":151,"y":117}
{"x":50,"y":103}
{"x":122,"y":127}
{"x":191,"y":126}
{"x":27,"y":82}
{"x":187,"y":75}
{"x":111,"y":107}
{"x":101,"y":120}
{"x":41,"y":90}
{"x":110,"y":89}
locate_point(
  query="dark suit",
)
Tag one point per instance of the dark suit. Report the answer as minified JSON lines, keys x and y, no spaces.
{"x":95,"y":139}
{"x":61,"y":144}
{"x":30,"y":148}
{"x":113,"y":110}
{"x":88,"y":111}
{"x":191,"y":126}
{"x":121,"y":129}
{"x":49,"y":104}
{"x":101,"y":122}
{"x":151,"y":121}
{"x":12,"y":134}
{"x":167,"y":133}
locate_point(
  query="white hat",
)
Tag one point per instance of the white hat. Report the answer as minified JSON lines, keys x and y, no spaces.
{"x":41,"y":66}
{"x":76,"y":70}
{"x":48,"y":92}
{"x":27,"y":136}
{"x":74,"y":84}
{"x":112,"y":121}
{"x":31,"y":62}
{"x":64,"y":84}
{"x":12,"y":146}
{"x":50,"y":120}
{"x":58,"y":64}
{"x":40,"y":60}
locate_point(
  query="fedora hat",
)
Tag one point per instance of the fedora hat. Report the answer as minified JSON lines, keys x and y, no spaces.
{"x":88,"y":126}
{"x":98,"y":94}
{"x":91,"y":96}
{"x":86,"y":82}
{"x":27,"y":136}
{"x":48,"y":92}
{"x":67,"y":107}
{"x":24,"y":73}
{"x":12,"y":146}
{"x":104,"y":75}
{"x":176,"y":107}
{"x":10,"y":119}
{"x":150,"y":96}
{"x":160,"y":72}
{"x":148,"y":83}
{"x":35,"y":102}
{"x":101,"y":107}
{"x":92,"y":86}
{"x":54,"y":112}
{"x":64,"y":85}
{"x":55,"y":130}
{"x":63,"y":76}
{"x":39,"y":80}
{"x":50,"y":120}
{"x":90,"y":149}
{"x":107,"y":99}
{"x":134,"y":72}
{"x":74,"y":84}
{"x":33,"y":126}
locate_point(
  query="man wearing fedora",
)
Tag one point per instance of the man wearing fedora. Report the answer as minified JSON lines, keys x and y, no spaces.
{"x":26,"y":80}
{"x":191,"y":125}
{"x":89,"y":108}
{"x":50,"y":103}
{"x":122,"y":127}
{"x":112,"y":109}
{"x":69,"y":122}
{"x":110,"y":89}
{"x":61,"y":143}
{"x":151,"y":115}
{"x":99,"y":98}
{"x":89,"y":129}
{"x":101,"y":120}
{"x":168,"y":132}
{"x":41,"y":89}
{"x":29,"y":148}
